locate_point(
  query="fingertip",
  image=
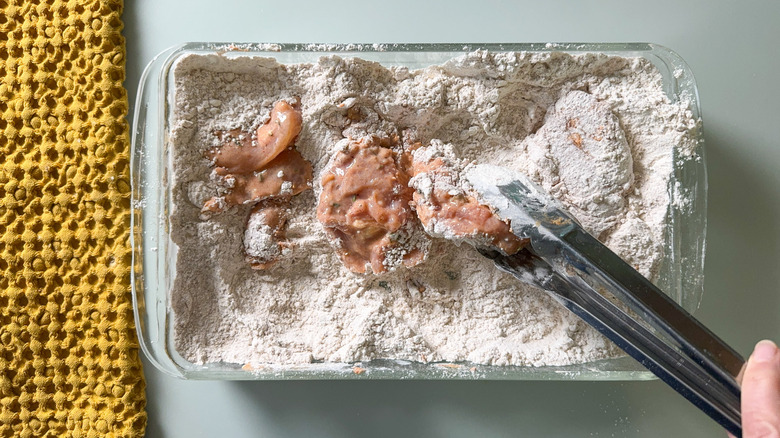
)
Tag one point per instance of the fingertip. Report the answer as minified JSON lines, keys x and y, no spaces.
{"x":761,"y":392}
{"x":765,"y":351}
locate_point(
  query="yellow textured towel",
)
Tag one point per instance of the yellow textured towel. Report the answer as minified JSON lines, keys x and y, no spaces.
{"x":69,"y":361}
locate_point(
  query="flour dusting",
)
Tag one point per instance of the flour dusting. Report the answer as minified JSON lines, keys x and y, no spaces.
{"x":596,"y":131}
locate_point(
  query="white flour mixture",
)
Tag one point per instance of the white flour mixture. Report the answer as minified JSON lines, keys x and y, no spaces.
{"x":598,"y":132}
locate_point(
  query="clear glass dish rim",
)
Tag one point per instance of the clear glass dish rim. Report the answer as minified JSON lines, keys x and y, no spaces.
{"x":150,"y":245}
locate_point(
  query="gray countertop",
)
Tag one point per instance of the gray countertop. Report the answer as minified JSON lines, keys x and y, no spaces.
{"x":731,"y":48}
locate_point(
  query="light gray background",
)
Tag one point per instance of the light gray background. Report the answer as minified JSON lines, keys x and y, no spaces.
{"x":732,"y":48}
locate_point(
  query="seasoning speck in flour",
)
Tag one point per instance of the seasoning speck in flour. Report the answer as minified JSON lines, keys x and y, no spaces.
{"x":596,"y":131}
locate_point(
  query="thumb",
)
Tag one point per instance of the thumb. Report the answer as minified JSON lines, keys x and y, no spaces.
{"x":761,"y":393}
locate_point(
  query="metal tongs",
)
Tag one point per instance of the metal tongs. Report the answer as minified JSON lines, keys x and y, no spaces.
{"x":605,"y":291}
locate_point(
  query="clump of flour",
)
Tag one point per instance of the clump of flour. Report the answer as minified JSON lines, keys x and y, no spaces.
{"x":259,"y":240}
{"x":597,"y":131}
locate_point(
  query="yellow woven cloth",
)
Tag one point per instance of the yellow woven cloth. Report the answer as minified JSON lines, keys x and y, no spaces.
{"x":68,"y":353}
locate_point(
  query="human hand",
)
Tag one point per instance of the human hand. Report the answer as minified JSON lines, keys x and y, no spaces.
{"x":761,"y":392}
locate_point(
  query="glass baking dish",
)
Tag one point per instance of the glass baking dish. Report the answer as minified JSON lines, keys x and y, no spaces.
{"x":154,"y":254}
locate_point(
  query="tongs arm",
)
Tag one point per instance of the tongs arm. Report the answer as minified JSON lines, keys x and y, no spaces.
{"x":654,"y":306}
{"x":717,"y":398}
